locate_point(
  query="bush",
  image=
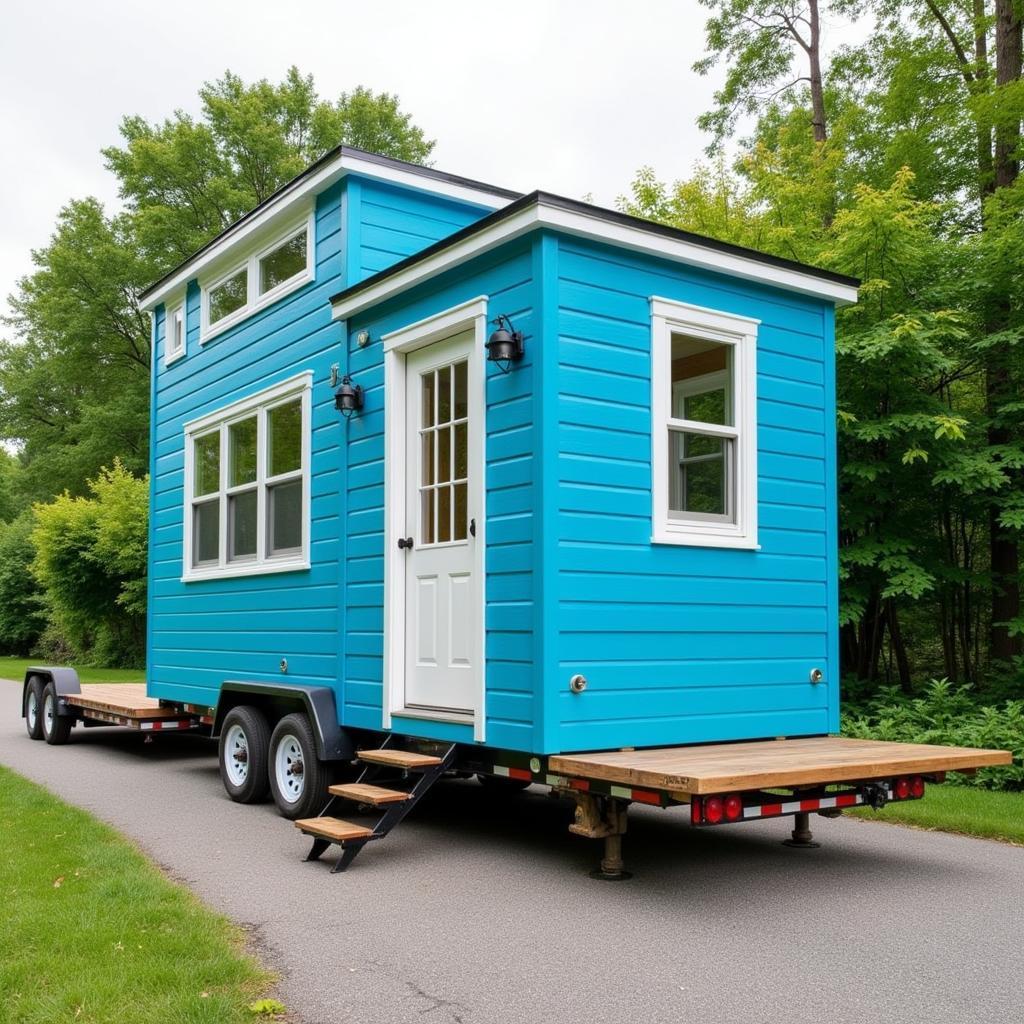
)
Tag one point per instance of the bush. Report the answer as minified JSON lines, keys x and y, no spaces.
{"x":950,"y":715}
{"x":90,"y":559}
{"x":22,"y":616}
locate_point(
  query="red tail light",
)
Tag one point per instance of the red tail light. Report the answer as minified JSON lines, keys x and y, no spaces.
{"x":713,"y":810}
{"x":733,"y":807}
{"x":696,"y":811}
{"x":902,"y":789}
{"x":917,"y":787}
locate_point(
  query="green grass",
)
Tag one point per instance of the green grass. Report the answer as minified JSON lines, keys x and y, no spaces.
{"x":972,"y":812}
{"x":14,"y":668}
{"x":92,"y":932}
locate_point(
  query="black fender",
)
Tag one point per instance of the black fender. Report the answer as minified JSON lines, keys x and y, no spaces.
{"x":333,"y":743}
{"x":65,"y":681}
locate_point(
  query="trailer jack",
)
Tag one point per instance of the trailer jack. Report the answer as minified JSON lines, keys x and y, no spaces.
{"x":599,"y":817}
{"x":800,"y":837}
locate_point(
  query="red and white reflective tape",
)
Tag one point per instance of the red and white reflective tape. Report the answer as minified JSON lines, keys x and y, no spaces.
{"x":796,"y":806}
{"x":166,"y":723}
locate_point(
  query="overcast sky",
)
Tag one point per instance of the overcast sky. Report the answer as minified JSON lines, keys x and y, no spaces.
{"x":571,"y":96}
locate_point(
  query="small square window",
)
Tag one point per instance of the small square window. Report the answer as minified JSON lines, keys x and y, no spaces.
{"x":229,"y":296}
{"x":279,"y":265}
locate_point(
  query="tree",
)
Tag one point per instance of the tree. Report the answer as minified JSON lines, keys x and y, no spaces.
{"x":74,"y":379}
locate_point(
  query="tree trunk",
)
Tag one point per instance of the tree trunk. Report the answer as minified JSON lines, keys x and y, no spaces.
{"x":899,"y":649}
{"x":986,"y":178}
{"x":817,"y":89}
{"x":1009,"y":51}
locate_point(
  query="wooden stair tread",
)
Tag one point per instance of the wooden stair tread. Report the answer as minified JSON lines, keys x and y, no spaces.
{"x":398,"y":758}
{"x":364,"y":793}
{"x":334,"y":829}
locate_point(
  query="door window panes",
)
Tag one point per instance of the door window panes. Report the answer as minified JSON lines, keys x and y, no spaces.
{"x":444,"y":442}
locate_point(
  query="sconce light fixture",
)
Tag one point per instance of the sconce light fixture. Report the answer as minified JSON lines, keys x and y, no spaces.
{"x":348,"y":399}
{"x":505,"y":345}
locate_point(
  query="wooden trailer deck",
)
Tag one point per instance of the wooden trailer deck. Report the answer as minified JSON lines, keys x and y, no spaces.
{"x":732,"y":767}
{"x":126,"y":699}
{"x":127,"y":704}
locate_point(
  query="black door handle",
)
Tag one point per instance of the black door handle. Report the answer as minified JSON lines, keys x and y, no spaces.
{"x":405,"y":542}
{"x":472,"y":527}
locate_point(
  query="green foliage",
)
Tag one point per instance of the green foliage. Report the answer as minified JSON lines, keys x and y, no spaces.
{"x":74,"y":378}
{"x":950,"y":715}
{"x":125,"y":943}
{"x":22,"y":616}
{"x":90,"y":561}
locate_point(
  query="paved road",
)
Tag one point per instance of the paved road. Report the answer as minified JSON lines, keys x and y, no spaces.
{"x":475,"y":914}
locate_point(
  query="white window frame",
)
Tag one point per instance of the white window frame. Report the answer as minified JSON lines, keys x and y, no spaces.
{"x":250,"y":262}
{"x":173,"y":309}
{"x":669,"y":317}
{"x":220,"y":421}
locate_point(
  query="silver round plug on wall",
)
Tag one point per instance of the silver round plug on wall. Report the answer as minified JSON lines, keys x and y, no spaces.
{"x":578,"y":683}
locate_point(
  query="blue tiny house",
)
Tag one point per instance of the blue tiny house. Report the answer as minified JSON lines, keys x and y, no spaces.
{"x":614,"y":526}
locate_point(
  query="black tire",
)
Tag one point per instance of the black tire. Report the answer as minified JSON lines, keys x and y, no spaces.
{"x":299,"y":793}
{"x":56,"y":730}
{"x":498,"y":784}
{"x":242,"y":754}
{"x":34,"y":708}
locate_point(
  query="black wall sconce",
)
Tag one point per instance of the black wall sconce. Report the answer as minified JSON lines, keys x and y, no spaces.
{"x":505,"y":345}
{"x":348,"y":399}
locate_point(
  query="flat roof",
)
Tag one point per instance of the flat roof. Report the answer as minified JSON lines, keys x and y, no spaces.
{"x":544,"y":209}
{"x":319,"y":175}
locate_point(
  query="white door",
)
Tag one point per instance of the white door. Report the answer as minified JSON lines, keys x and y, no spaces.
{"x":441,"y":600}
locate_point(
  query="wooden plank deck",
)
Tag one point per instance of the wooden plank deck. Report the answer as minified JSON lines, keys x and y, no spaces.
{"x":126,"y":699}
{"x":730,"y":767}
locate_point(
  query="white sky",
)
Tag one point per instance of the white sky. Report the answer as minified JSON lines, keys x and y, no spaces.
{"x":572,"y":96}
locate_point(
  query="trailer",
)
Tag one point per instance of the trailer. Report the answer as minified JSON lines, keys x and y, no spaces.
{"x":451,"y":479}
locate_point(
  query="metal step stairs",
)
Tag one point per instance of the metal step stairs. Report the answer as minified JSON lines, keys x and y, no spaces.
{"x":394,"y":803}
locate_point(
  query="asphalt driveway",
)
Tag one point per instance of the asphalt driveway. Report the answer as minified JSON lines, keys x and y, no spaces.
{"x":481,"y":912}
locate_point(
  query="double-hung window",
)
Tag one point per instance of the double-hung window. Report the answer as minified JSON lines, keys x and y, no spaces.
{"x":704,"y":426}
{"x":174,"y":332}
{"x":247,"y":485}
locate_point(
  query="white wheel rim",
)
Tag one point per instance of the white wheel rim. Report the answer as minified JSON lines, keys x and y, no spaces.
{"x":236,"y":755}
{"x":289,"y":769}
{"x":33,"y":709}
{"x":48,"y":714}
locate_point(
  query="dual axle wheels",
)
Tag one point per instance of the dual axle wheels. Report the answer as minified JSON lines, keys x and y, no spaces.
{"x":255,"y":760}
{"x":41,"y":719}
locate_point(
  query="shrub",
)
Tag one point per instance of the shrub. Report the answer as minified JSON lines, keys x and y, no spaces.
{"x":22,"y":615}
{"x":949,"y":715}
{"x":90,"y":559}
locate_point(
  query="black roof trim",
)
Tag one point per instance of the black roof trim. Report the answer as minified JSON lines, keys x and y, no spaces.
{"x":539,"y":198}
{"x":328,"y":157}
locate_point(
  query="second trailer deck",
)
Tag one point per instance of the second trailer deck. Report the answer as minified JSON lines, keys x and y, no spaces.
{"x":764,"y":764}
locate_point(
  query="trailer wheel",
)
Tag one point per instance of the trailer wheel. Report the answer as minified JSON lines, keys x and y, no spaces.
{"x":56,"y":730}
{"x":34,"y":709}
{"x":244,"y":740}
{"x":298,"y":778}
{"x":498,"y":784}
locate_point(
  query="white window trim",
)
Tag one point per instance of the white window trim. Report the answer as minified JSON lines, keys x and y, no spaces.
{"x":299,"y":386}
{"x":471,"y":315}
{"x":667,"y":317}
{"x":169,"y":312}
{"x":251,"y":263}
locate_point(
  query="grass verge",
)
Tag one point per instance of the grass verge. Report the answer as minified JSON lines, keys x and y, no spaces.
{"x":972,"y":812}
{"x":14,"y":668}
{"x":94,"y":933}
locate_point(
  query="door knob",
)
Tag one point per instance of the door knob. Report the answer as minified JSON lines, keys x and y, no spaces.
{"x":405,"y":542}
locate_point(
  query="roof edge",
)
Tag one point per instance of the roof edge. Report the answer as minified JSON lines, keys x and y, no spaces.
{"x":538,"y":201}
{"x":347,"y":159}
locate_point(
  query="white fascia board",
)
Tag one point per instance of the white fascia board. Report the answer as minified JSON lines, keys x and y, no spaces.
{"x":283,"y":208}
{"x":598,"y":229}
